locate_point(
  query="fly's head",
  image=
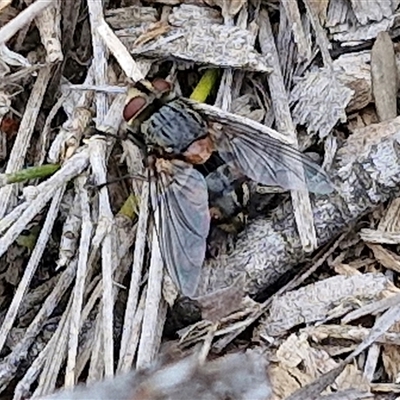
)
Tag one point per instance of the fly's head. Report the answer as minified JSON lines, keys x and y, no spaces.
{"x":166,"y":126}
{"x":143,"y":100}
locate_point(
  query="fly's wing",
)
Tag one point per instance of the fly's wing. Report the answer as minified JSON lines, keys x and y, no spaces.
{"x":249,"y":146}
{"x":180,"y":199}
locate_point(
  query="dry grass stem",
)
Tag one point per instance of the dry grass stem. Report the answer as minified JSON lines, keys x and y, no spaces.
{"x":24,"y":135}
{"x":126,"y":355}
{"x":74,"y":324}
{"x":300,"y":198}
{"x":149,"y":344}
{"x":23,"y":19}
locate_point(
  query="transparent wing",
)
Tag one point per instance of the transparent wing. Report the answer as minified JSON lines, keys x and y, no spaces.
{"x":248,"y":146}
{"x":180,"y":199}
{"x":271,"y":162}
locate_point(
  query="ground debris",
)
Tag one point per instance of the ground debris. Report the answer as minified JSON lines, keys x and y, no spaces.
{"x":195,"y":35}
{"x":303,"y":304}
{"x":325,"y":300}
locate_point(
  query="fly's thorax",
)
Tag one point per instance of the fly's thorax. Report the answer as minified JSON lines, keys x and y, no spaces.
{"x":174,"y":127}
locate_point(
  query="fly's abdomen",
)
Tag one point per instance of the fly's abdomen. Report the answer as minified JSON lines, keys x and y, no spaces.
{"x":223,"y":180}
{"x":227,"y":199}
{"x":174,"y":127}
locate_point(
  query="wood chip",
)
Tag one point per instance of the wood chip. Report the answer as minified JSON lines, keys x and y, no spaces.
{"x":384,"y":77}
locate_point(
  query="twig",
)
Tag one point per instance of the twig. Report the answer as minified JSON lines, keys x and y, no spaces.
{"x":70,"y":233}
{"x":97,"y":160}
{"x":134,"y":334}
{"x":59,"y":343}
{"x":126,"y":350}
{"x":70,"y":135}
{"x":23,"y":18}
{"x":86,"y":234}
{"x":97,"y":361}
{"x":226,"y":94}
{"x":320,"y":34}
{"x":45,"y":191}
{"x":11,"y":217}
{"x":280,"y":102}
{"x":21,"y":145}
{"x":57,"y":350}
{"x":384,"y":77}
{"x":95,"y":8}
{"x":22,"y":388}
{"x":31,"y":267}
{"x":371,"y":362}
{"x":96,"y":88}
{"x":11,"y":363}
{"x":120,"y":52}
{"x":382,"y":325}
{"x":96,"y":293}
{"x":293,"y":15}
{"x":43,"y":142}
{"x":148,"y":345}
{"x":98,"y":155}
{"x":48,"y":23}
{"x":96,"y":369}
{"x":220,"y":344}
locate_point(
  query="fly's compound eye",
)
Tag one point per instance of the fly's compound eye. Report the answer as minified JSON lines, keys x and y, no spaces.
{"x":134,"y":106}
{"x":161,"y":85}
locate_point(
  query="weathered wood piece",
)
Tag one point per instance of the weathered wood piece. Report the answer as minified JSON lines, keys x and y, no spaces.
{"x":384,"y":77}
{"x":201,"y":39}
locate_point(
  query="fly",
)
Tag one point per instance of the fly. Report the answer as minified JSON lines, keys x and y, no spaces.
{"x":175,"y":134}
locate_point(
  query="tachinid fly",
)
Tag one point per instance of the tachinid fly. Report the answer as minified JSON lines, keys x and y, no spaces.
{"x":175,"y":134}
